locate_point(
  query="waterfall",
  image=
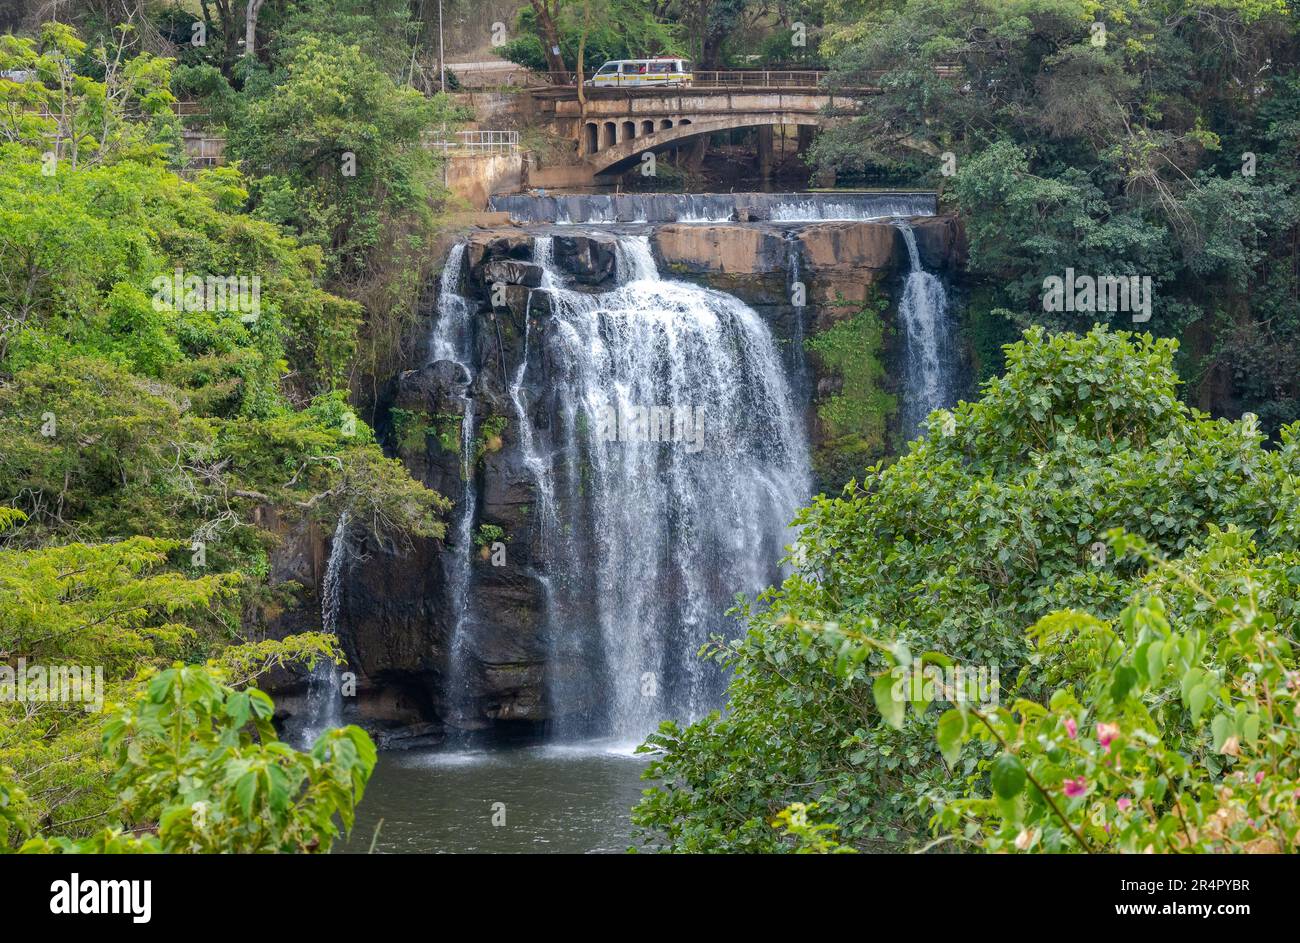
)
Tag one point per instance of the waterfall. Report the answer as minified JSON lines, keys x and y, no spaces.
{"x":927,"y":342}
{"x":458,"y":571}
{"x":634,"y":260}
{"x":451,"y":337}
{"x":324,"y":697}
{"x":676,"y":463}
{"x":452,"y":340}
{"x":796,"y":292}
{"x":533,"y":460}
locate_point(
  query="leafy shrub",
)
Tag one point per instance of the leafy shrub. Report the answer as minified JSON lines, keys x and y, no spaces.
{"x":985,"y":527}
{"x":199,"y":770}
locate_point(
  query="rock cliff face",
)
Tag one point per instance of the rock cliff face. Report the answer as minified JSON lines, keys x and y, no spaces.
{"x":396,"y":621}
{"x":840,"y":259}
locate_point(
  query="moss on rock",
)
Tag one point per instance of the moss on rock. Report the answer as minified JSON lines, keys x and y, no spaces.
{"x":854,"y":419}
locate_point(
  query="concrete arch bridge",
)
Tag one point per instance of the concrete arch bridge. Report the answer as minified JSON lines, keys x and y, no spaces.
{"x":618,"y":125}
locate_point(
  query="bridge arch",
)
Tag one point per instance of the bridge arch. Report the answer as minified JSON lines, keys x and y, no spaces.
{"x":622,"y":154}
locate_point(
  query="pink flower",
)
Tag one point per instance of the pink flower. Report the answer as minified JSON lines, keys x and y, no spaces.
{"x":1124,"y":803}
{"x":1106,"y":733}
{"x":1259,"y":777}
{"x":1071,"y":727}
{"x":1075,"y":787}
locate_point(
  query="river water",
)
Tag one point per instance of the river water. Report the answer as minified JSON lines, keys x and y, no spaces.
{"x":554,"y":799}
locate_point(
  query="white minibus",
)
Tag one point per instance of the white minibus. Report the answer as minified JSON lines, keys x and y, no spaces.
{"x":638,"y":73}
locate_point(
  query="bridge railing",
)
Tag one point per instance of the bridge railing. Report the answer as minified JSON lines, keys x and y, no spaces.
{"x":733,"y":78}
{"x":727,"y":78}
{"x":474,"y":142}
{"x":748,"y":78}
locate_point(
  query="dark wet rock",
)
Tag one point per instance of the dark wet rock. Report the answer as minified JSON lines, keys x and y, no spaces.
{"x":588,"y":260}
{"x":940,"y":242}
{"x":491,"y":245}
{"x":511,"y":272}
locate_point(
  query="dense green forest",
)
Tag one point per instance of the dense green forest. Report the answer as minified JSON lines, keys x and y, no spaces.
{"x":1112,"y":523}
{"x":156,"y":444}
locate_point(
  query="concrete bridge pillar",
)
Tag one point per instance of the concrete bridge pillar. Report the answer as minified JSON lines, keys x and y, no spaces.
{"x":805,"y":137}
{"x":765,"y":151}
{"x":694,"y":153}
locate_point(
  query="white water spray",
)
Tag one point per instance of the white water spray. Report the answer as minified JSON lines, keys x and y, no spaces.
{"x":658,"y":539}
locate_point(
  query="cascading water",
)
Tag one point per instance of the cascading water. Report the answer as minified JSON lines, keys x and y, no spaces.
{"x":324,"y":697}
{"x":451,"y":336}
{"x":797,"y":292}
{"x":452,"y":340}
{"x":928,"y":382}
{"x":543,"y":255}
{"x":677,"y":463}
{"x":823,"y":209}
{"x":458,"y":569}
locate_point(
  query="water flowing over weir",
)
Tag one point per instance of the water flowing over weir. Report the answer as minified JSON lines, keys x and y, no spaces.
{"x":676,"y":462}
{"x":929,"y":370}
{"x":713,"y":207}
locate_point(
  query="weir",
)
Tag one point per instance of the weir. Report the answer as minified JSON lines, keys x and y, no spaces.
{"x":713,"y":207}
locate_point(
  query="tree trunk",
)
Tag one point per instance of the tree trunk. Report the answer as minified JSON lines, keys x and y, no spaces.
{"x":711,"y":51}
{"x":250,"y":27}
{"x":225,"y":22}
{"x":582,"y":49}
{"x":550,"y":40}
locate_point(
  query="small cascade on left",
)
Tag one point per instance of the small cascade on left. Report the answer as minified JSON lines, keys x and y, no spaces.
{"x":453,"y":340}
{"x":324,"y":694}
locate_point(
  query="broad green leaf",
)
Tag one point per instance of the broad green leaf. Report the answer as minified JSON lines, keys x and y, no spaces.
{"x":950,"y":734}
{"x":1007,"y":776}
{"x":891,"y":708}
